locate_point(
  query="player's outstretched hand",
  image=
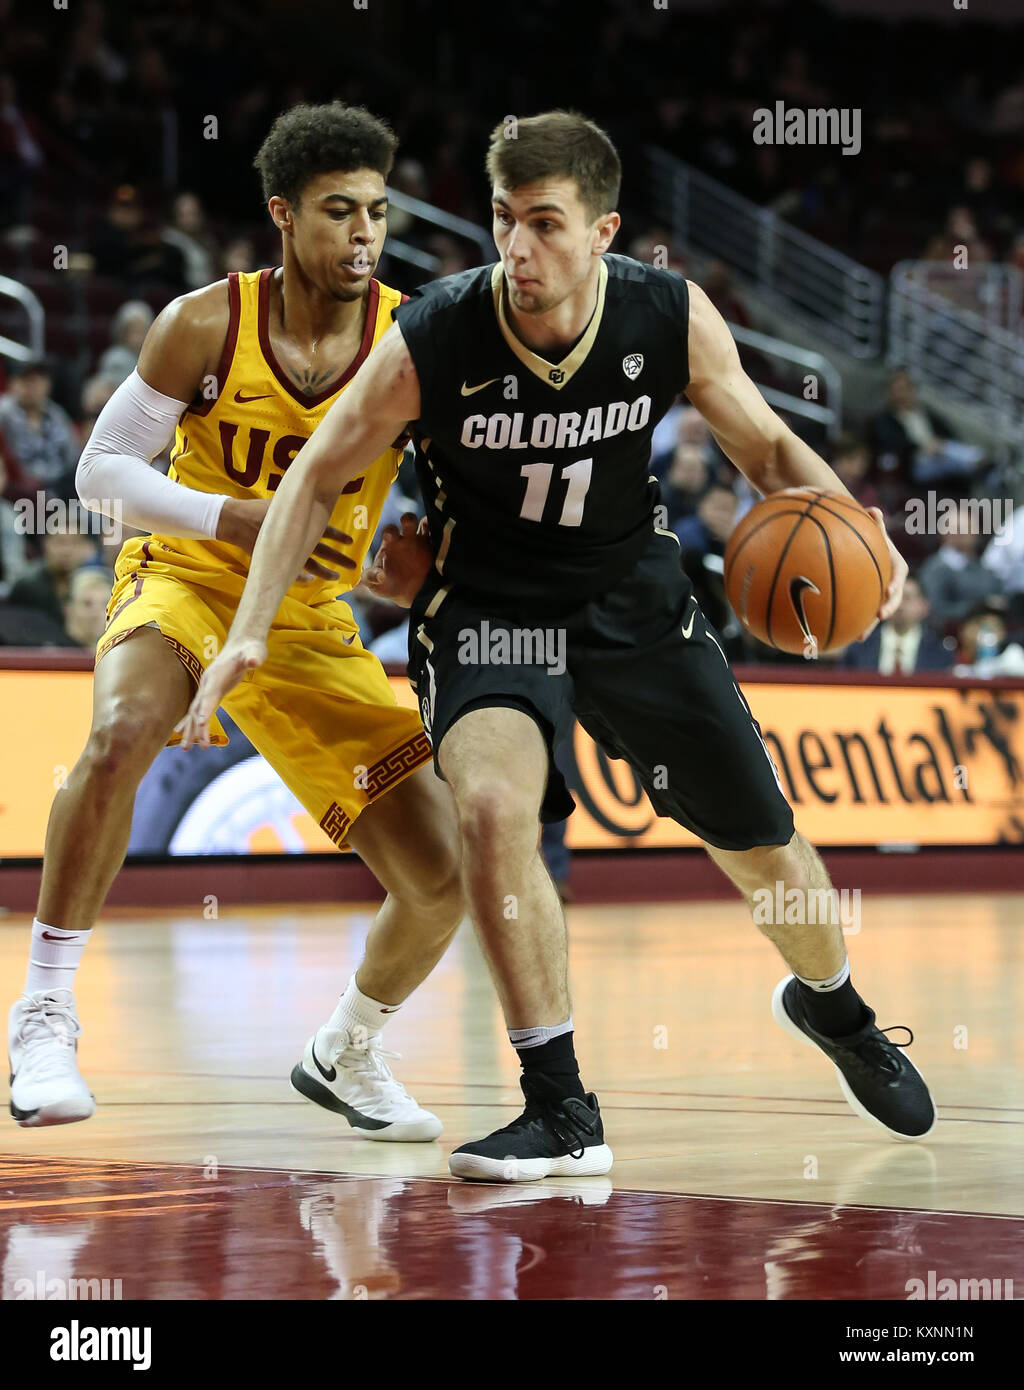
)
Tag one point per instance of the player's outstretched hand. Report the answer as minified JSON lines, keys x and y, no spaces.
{"x":220,"y":677}
{"x":900,"y":570}
{"x":402,"y":562}
{"x":336,"y":560}
{"x":240,"y":522}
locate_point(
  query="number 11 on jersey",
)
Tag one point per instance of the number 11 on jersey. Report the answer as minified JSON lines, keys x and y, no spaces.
{"x":538,"y":484}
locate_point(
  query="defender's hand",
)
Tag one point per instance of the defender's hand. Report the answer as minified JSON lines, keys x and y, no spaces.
{"x":402,"y":562}
{"x":900,"y":570}
{"x":239,"y":524}
{"x":219,"y":678}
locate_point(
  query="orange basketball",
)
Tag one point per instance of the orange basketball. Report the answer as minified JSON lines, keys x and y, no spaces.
{"x":806,"y":570}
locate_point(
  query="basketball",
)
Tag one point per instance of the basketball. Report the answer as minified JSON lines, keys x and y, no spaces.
{"x":806,"y":570}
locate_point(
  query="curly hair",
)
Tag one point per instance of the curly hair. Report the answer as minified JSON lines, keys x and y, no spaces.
{"x":310,"y":140}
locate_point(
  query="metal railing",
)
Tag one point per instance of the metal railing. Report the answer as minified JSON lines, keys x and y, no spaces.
{"x":840,"y":299}
{"x":831,"y":413}
{"x":973,"y":363}
{"x":446,"y":220}
{"x":9,"y":347}
{"x":994,"y":292}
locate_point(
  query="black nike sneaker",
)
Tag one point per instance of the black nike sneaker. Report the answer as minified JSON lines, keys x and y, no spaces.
{"x":878,"y":1080}
{"x":553,"y":1137}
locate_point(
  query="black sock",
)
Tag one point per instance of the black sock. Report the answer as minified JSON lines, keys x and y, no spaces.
{"x":835,"y":1012}
{"x":556,"y":1060}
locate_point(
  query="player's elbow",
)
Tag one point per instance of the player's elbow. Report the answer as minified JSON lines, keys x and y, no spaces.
{"x":85,"y":480}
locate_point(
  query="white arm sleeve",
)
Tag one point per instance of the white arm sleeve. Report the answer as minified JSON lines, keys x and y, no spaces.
{"x":114,"y":476}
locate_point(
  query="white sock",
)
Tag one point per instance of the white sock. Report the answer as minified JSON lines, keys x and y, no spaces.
{"x":53,"y":957}
{"x":536,"y":1037}
{"x":358,"y":1014}
{"x":833,"y":981}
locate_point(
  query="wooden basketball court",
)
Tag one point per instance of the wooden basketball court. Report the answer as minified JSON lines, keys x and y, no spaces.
{"x":740,"y":1171}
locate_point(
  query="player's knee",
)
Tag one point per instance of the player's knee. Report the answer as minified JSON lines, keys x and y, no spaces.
{"x":123,"y":741}
{"x":495,"y":815}
{"x":439,"y":885}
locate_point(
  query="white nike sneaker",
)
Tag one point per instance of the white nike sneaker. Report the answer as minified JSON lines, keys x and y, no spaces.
{"x":356,"y":1081}
{"x":42,"y":1040}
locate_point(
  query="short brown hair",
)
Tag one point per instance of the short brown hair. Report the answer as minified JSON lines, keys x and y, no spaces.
{"x":557,"y":144}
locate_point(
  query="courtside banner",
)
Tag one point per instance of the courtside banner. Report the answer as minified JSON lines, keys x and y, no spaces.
{"x":908,"y":762}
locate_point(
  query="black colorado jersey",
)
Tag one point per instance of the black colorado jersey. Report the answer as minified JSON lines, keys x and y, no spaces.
{"x":535,"y":474}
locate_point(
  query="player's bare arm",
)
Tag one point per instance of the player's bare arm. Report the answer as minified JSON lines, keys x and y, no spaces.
{"x":357,"y":429}
{"x":748,"y":431}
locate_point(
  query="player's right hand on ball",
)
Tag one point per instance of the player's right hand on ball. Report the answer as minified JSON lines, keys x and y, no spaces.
{"x":219,"y":678}
{"x":402,"y":562}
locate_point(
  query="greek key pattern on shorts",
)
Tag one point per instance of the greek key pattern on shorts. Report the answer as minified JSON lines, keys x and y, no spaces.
{"x":335,"y":823}
{"x":396,"y":765}
{"x":188,"y":659}
{"x":110,"y":642}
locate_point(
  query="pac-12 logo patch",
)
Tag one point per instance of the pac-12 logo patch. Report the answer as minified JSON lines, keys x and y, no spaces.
{"x":633,"y":365}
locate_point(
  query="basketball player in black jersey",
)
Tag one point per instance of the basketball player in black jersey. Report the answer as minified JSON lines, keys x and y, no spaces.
{"x":545,"y":590}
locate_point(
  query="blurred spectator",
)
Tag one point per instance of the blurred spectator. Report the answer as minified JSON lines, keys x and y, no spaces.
{"x":903,"y":644}
{"x":47,"y":585}
{"x":409,"y":177}
{"x":95,"y":394}
{"x":239,"y":254}
{"x":953,"y":579}
{"x":19,"y":483}
{"x":707,"y":531}
{"x":850,"y":461}
{"x":453,"y":255}
{"x":686,"y":483}
{"x":961,"y":232}
{"x":979,"y":195}
{"x":126,"y":248}
{"x":21,"y":157}
{"x":37,"y":430}
{"x":702,"y":540}
{"x":187,"y":232}
{"x":913,"y":445}
{"x":658,"y":247}
{"x":85,"y":609}
{"x":719,"y":286}
{"x":128,"y":332}
{"x":683,"y":427}
{"x":13,"y":558}
{"x":983,"y":648}
{"x":1004,"y":556}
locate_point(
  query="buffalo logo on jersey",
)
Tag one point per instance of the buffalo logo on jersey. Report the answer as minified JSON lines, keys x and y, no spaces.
{"x":633,"y":365}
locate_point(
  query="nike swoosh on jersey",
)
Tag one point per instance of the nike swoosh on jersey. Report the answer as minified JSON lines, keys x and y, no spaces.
{"x":245,"y":400}
{"x":327,"y":1075}
{"x":472,"y":390}
{"x":688,"y":627}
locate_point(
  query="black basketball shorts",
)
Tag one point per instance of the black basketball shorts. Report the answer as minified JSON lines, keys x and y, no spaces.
{"x":642,"y":670}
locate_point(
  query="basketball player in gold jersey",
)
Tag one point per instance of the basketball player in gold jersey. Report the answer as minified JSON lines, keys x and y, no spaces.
{"x":241,"y":373}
